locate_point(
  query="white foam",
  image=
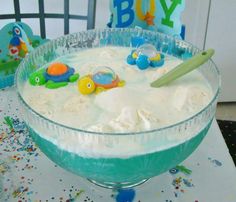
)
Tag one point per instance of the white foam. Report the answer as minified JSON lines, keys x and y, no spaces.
{"x":135,"y":107}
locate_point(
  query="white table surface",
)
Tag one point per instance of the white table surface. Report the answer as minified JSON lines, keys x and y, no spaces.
{"x":26,"y":174}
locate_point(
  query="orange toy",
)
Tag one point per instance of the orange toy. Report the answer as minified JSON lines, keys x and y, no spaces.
{"x":57,"y":69}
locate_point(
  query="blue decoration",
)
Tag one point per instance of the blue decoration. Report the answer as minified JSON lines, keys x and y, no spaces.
{"x":124,"y":11}
{"x":125,"y":195}
{"x":109,"y":24}
{"x":157,"y":15}
{"x":182,"y":33}
{"x":144,"y":56}
{"x":15,"y":41}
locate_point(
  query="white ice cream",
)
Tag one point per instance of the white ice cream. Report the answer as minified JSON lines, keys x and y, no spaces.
{"x":132,"y":108}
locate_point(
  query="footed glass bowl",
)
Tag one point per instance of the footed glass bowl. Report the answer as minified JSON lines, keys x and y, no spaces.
{"x":116,"y":160}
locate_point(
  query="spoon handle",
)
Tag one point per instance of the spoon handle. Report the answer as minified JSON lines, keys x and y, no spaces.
{"x":185,"y":67}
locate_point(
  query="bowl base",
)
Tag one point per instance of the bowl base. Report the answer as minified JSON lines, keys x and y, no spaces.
{"x":123,"y":185}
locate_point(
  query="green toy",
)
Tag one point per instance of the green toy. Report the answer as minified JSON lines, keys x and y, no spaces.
{"x":55,"y":76}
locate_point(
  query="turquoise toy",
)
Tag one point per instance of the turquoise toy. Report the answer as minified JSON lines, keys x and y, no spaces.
{"x":144,"y":56}
{"x":55,"y":76}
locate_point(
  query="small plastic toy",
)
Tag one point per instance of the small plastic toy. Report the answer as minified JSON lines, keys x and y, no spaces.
{"x":55,"y":76}
{"x":144,"y":56}
{"x":102,"y":79}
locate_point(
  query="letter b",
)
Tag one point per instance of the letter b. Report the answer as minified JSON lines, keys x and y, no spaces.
{"x":128,"y":12}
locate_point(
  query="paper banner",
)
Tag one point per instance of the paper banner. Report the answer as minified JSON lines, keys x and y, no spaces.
{"x":157,"y":15}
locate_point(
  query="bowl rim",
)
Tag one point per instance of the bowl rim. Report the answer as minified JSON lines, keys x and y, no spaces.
{"x":21,"y":99}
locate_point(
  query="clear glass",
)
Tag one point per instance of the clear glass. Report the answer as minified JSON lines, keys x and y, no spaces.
{"x":118,"y":159}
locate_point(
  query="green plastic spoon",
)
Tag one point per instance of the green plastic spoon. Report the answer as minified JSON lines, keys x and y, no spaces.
{"x":184,"y":68}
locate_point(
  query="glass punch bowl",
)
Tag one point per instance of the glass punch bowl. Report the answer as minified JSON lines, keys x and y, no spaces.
{"x":122,"y":159}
